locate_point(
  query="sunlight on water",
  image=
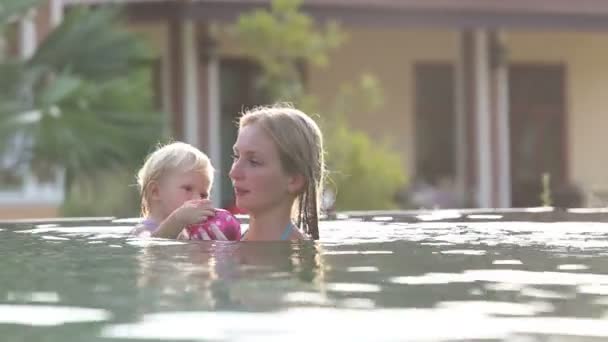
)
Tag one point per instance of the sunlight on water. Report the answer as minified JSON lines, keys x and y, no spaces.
{"x":440,"y":215}
{"x":464,"y":252}
{"x":587,"y":210}
{"x":582,"y":235}
{"x":503,"y":287}
{"x":362,"y":269}
{"x":382,"y":218}
{"x":357,"y":252}
{"x":594,"y":289}
{"x":153,"y":242}
{"x":484,"y":217}
{"x":539,"y":209}
{"x":48,"y":237}
{"x":110,"y":231}
{"x":307,"y":298}
{"x":458,"y":322}
{"x":572,"y":267}
{"x":506,"y":276}
{"x":372,"y":278}
{"x":357,"y":303}
{"x":544,"y":294}
{"x":506,"y":262}
{"x":495,"y":308}
{"x":352,"y":287}
{"x":49,"y":315}
{"x":39,"y":297}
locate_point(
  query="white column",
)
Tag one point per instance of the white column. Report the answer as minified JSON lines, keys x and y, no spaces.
{"x":27,"y":35}
{"x":190,"y":89}
{"x":214,"y":127}
{"x":483,"y":116}
{"x":460,"y":146}
{"x":166,"y":93}
{"x":504,"y":137}
{"x":56,"y":12}
{"x":167,"y":71}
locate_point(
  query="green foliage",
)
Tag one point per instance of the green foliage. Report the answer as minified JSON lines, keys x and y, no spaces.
{"x":113,"y":193}
{"x":545,"y":196}
{"x":91,"y":44}
{"x":82,"y":103}
{"x":77,"y":103}
{"x":364,"y":174}
{"x":279,"y":40}
{"x":10,"y":9}
{"x":108,"y":188}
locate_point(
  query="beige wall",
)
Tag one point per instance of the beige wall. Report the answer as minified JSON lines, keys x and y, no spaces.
{"x":586,"y":58}
{"x":8,"y":212}
{"x":155,"y":34}
{"x":389,"y":55}
{"x":584,"y":54}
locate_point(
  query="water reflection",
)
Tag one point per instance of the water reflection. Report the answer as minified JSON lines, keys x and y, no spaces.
{"x":228,"y":275}
{"x":375,"y":279}
{"x":40,"y":315}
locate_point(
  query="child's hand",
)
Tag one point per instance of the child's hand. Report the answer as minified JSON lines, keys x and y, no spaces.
{"x":189,"y":213}
{"x":193,"y":211}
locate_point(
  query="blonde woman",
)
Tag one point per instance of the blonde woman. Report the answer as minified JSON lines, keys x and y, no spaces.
{"x":277,"y":173}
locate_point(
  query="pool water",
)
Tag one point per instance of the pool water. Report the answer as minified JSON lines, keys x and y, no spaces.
{"x":440,"y":276}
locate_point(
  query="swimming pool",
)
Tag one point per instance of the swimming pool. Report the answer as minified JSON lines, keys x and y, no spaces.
{"x":436,"y":276}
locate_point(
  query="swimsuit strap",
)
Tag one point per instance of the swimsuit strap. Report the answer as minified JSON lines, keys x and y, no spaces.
{"x":287,"y":232}
{"x":284,"y":236}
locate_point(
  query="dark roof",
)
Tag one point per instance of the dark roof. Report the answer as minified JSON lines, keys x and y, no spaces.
{"x":499,"y":6}
{"x":553,"y":14}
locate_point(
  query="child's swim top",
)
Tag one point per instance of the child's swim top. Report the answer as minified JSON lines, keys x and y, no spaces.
{"x":224,"y":220}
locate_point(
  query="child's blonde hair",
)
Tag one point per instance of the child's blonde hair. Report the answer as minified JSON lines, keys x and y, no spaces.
{"x":170,"y":158}
{"x":300,"y":144}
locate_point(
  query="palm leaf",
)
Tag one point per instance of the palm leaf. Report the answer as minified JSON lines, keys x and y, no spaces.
{"x":88,"y":44}
{"x":77,"y":101}
{"x":10,"y":9}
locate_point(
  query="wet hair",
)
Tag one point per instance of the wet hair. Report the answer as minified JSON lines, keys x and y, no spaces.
{"x":300,"y":144}
{"x":176,"y":156}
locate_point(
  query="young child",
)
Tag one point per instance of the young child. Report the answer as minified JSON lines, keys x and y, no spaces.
{"x":175,"y":182}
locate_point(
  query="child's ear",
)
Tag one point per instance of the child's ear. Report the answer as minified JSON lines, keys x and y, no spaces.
{"x":296,"y":184}
{"x":154,"y":190}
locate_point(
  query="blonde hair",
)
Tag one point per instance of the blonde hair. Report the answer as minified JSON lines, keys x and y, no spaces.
{"x":300,"y":144}
{"x":169,"y":158}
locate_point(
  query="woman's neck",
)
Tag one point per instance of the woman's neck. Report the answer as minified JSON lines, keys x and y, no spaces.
{"x":269,"y":225}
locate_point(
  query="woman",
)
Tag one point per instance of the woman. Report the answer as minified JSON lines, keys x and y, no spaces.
{"x":278,"y":172}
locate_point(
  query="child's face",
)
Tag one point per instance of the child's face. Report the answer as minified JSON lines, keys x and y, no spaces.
{"x":179,"y":187}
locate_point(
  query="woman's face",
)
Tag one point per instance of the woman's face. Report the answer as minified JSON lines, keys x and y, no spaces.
{"x":259,"y":181}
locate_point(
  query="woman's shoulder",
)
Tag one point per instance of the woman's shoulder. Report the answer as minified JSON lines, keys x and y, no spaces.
{"x":298,"y":235}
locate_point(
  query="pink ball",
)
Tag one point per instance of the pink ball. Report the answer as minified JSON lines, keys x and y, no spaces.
{"x":223,"y":219}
